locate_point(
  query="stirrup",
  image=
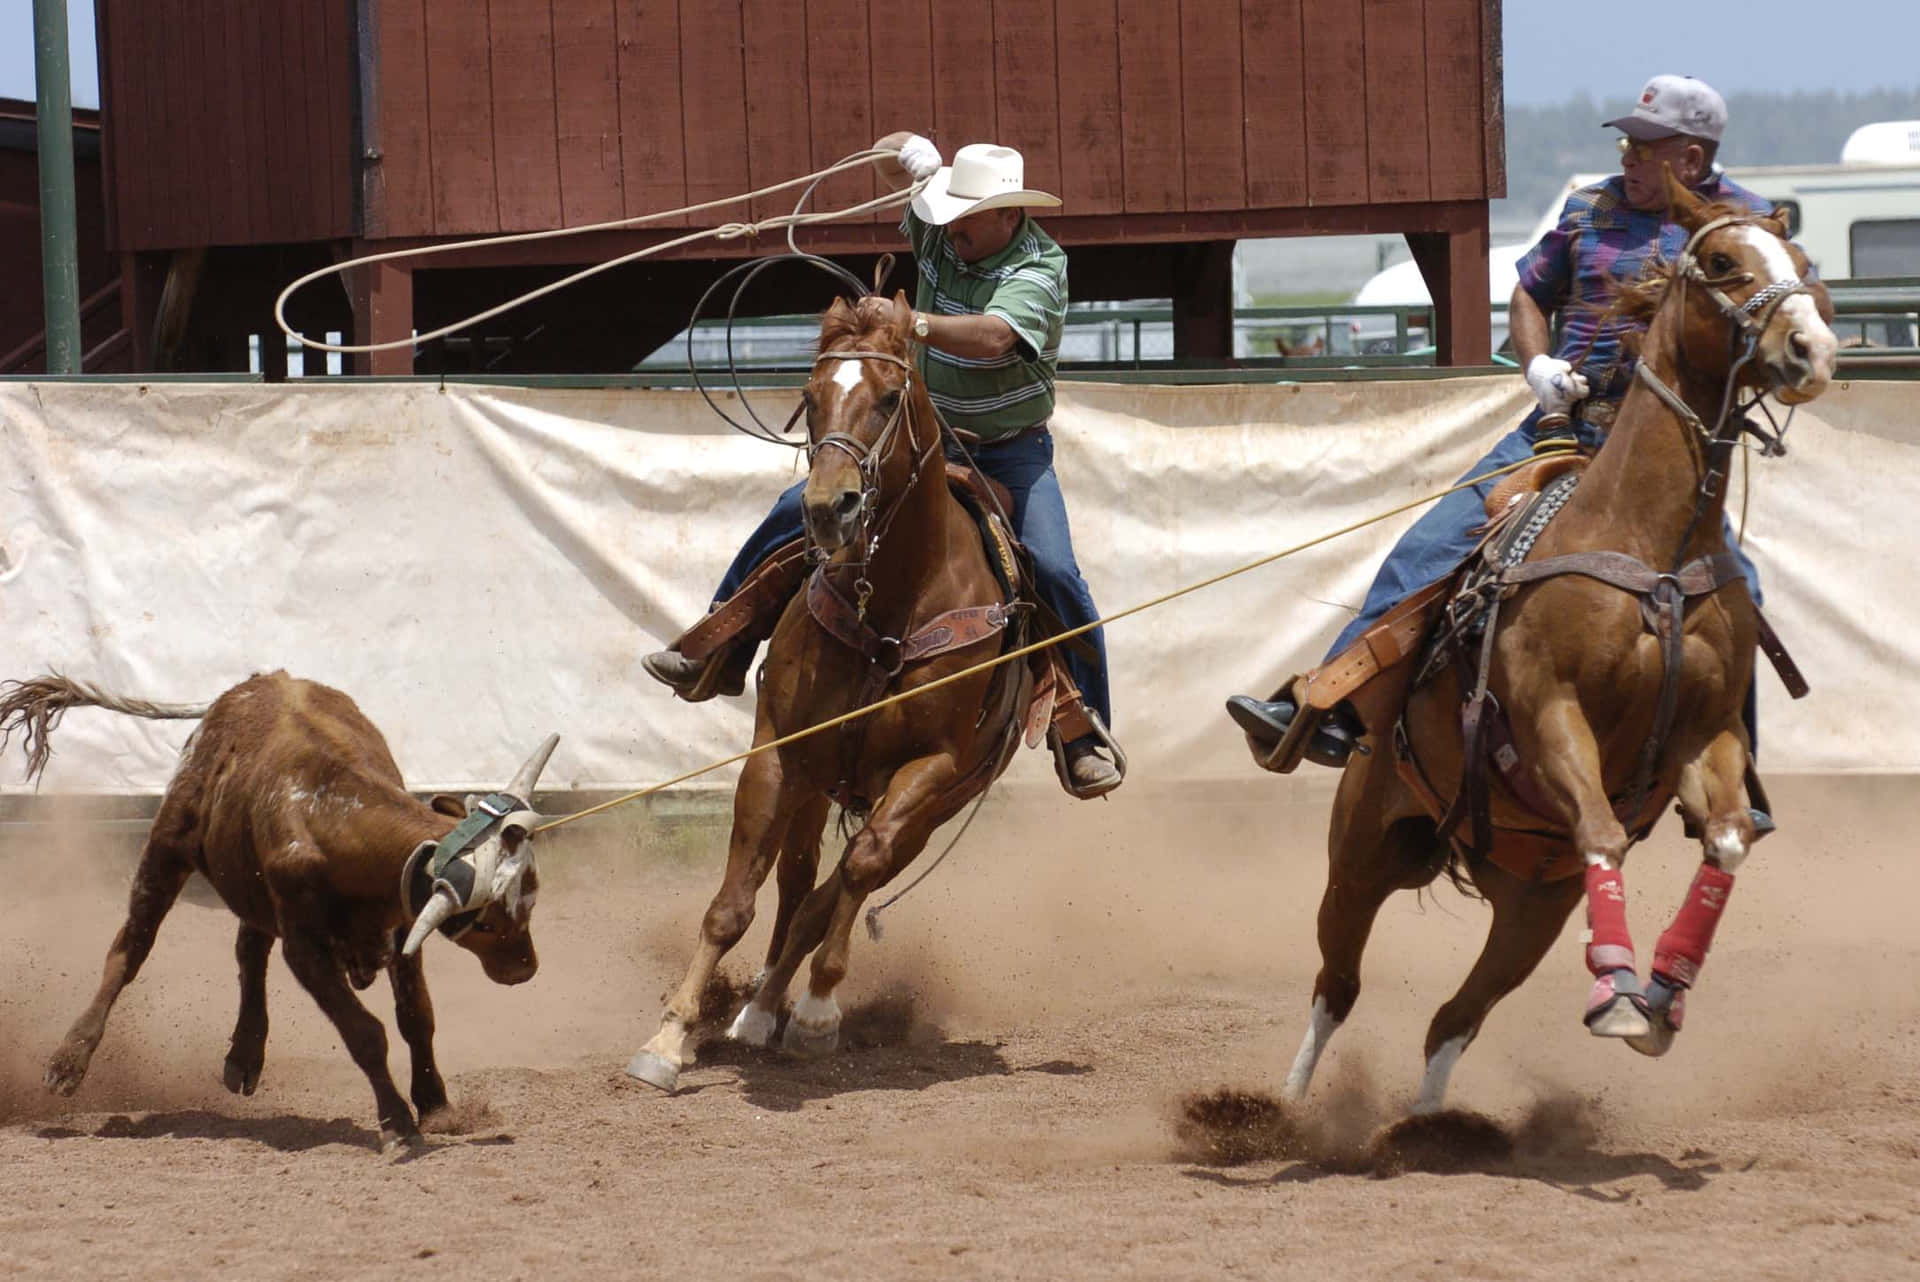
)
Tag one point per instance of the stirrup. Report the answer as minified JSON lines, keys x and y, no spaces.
{"x":1058,"y":743}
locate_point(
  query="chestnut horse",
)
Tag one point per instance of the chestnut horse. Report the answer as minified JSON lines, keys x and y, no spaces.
{"x":1580,"y":675}
{"x":902,"y":595}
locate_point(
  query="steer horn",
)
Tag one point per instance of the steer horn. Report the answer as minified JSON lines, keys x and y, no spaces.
{"x":440,"y":906}
{"x":529,"y":774}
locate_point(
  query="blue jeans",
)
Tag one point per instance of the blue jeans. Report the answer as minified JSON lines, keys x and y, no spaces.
{"x":1025,"y":466}
{"x":1443,"y":537}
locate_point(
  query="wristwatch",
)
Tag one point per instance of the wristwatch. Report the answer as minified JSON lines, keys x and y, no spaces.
{"x":920,"y":326}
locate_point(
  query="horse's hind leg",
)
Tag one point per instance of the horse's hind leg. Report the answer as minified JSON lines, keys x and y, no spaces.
{"x":1713,"y":793}
{"x":1367,"y":862}
{"x":163,"y":870}
{"x":761,"y":805}
{"x":1527,"y":918}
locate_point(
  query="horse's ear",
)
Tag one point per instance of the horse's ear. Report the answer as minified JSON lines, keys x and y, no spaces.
{"x":1775,"y":221}
{"x":902,"y":309}
{"x":839,"y":311}
{"x":1683,"y":206}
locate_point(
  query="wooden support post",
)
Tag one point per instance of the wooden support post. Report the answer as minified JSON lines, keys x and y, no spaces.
{"x":1203,"y":302}
{"x":382,"y":313}
{"x":141,"y":277}
{"x":1454,"y":264}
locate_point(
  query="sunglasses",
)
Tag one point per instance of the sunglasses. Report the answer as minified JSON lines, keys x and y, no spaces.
{"x":1641,"y":152}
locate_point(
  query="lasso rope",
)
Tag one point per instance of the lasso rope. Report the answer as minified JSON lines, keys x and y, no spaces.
{"x":726,"y":231}
{"x":1025,"y":650}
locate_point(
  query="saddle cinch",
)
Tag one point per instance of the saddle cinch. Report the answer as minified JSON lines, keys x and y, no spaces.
{"x":1454,"y":616}
{"x":1056,"y":712}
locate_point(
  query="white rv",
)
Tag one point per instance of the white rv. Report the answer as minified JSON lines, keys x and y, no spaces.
{"x":1858,"y":218}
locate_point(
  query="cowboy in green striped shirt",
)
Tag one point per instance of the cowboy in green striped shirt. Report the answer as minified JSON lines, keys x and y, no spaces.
{"x":989,"y":305}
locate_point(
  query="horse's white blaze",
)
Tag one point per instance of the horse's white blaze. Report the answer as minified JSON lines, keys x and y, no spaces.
{"x":848,"y":375}
{"x":816,"y":1013}
{"x":1799,"y":309}
{"x":1320,"y":1027}
{"x":1433,"y":1086}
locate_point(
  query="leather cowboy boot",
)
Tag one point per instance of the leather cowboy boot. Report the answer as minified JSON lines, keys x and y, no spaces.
{"x":1267,"y":722}
{"x":1090,"y":774}
{"x":696,"y":680}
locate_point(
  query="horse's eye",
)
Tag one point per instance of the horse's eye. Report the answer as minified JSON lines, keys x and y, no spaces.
{"x":887,"y":402}
{"x":1720,"y":263}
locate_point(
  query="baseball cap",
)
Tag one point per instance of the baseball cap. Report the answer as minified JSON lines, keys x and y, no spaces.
{"x":1672,"y":105}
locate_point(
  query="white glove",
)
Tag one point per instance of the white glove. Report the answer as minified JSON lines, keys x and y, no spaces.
{"x":919,"y":157}
{"x":1556,"y":384}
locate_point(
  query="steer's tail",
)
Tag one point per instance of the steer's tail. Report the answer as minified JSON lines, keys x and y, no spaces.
{"x":34,"y":708}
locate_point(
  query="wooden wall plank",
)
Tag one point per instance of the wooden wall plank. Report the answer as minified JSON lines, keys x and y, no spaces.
{"x":287,"y":27}
{"x":1092,"y":164}
{"x":839,"y":68}
{"x":460,"y":98}
{"x":587,"y":111}
{"x":1026,"y":75}
{"x":653,"y":159}
{"x":1274,"y":80}
{"x":127,"y":123}
{"x":1455,"y":159}
{"x":182,"y":139}
{"x":277,"y":160}
{"x":902,"y":37}
{"x":1396,"y":39}
{"x":526,"y":155}
{"x":1150,"y":106}
{"x":342,"y":169}
{"x":1336,"y":118}
{"x":963,"y":90}
{"x":1027,"y":92}
{"x":1493,"y":100}
{"x":249,"y":106}
{"x":229,"y":197}
{"x":1213,"y":132}
{"x":779,"y":126}
{"x":713,"y":112}
{"x":403,"y":200}
{"x":328,"y":132}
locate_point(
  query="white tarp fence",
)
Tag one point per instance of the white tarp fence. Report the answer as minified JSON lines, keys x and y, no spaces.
{"x":477,"y":566}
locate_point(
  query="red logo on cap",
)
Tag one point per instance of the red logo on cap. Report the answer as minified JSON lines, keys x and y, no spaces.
{"x":1647,"y":97}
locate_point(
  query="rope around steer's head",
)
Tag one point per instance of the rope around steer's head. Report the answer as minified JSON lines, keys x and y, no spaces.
{"x":1025,"y":650}
{"x":726,"y":231}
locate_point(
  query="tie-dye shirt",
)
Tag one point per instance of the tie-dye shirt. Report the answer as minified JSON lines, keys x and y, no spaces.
{"x":1601,"y":240}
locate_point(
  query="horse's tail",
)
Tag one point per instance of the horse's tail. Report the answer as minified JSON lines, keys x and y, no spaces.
{"x":34,"y":707}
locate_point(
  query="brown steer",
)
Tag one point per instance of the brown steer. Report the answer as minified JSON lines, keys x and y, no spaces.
{"x":288,"y":801}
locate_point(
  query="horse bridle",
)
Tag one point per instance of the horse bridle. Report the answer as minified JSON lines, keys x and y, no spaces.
{"x":1750,"y":320}
{"x":868,"y":460}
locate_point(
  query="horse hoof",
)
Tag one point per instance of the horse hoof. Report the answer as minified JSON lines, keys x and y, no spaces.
{"x":398,"y":1146}
{"x":810,"y":1043}
{"x":752,"y":1026}
{"x":1658,"y":1039}
{"x":813,"y":1029}
{"x":241,"y":1079}
{"x":1621,"y":1017}
{"x":66,"y":1072}
{"x":1666,"y":1004}
{"x":654,"y":1070}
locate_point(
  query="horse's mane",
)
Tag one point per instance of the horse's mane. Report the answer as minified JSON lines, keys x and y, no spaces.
{"x":867,"y":322}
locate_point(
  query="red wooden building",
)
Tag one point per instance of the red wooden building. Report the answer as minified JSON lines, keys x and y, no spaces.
{"x":249,"y":140}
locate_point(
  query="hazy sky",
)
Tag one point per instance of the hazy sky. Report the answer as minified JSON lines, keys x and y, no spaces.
{"x":1553,"y":49}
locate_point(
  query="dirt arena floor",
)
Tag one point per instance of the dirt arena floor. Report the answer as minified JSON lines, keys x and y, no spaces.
{"x":1024,"y":1048}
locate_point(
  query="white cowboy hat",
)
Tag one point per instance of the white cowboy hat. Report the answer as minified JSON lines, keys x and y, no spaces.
{"x":982,"y":176}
